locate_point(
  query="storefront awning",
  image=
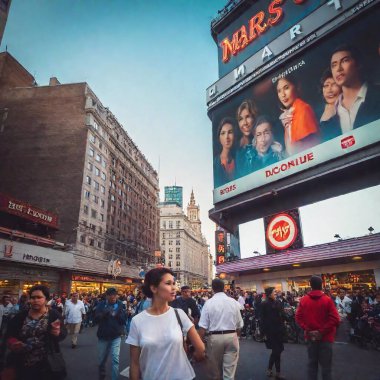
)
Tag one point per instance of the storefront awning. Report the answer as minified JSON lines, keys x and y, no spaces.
{"x":361,"y":248}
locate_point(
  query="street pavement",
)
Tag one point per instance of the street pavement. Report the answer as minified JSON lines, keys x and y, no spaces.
{"x":350,"y":361}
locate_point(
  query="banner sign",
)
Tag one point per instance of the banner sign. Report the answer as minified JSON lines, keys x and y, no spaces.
{"x":283,"y":232}
{"x":27,"y":211}
{"x":220,"y":246}
{"x":297,"y":117}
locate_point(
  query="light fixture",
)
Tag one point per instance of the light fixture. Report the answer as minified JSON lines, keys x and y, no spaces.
{"x":357,"y":258}
{"x":337,"y":236}
{"x":222,"y":276}
{"x":371,"y":229}
{"x":266,"y":269}
{"x":296,"y":265}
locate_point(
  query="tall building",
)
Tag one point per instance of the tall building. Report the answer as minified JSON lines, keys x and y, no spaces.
{"x":173,"y":194}
{"x":183,"y":246}
{"x":4,"y":10}
{"x":62,"y":150}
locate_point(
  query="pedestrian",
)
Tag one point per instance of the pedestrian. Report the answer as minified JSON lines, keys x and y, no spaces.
{"x":30,"y":335}
{"x":318,"y":317}
{"x":272,"y":319}
{"x":73,"y":314}
{"x":222,"y":320}
{"x":156,"y":335}
{"x":187,"y":304}
{"x":111,"y":316}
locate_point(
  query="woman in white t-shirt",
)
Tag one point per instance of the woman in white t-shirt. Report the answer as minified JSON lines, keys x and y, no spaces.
{"x":155,"y":336}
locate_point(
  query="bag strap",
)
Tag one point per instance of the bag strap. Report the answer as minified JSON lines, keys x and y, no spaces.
{"x":178,"y":319}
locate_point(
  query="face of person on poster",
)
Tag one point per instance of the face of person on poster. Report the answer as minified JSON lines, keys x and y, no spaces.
{"x":286,"y":92}
{"x":345,"y":69}
{"x":246,"y":121}
{"x":330,"y":91}
{"x":263,"y":138}
{"x":226,"y":137}
{"x":166,"y":289}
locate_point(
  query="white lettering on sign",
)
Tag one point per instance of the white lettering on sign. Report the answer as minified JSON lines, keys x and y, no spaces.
{"x":212,"y":91}
{"x":267,"y":53}
{"x":294,"y":31}
{"x":15,"y":206}
{"x":239,"y":72}
{"x":336,"y":4}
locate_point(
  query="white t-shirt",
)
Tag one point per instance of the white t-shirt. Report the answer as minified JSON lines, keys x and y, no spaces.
{"x":160,"y":339}
{"x":73,"y":311}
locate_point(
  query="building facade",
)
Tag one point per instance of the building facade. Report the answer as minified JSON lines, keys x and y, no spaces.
{"x":62,"y":150}
{"x":183,"y":246}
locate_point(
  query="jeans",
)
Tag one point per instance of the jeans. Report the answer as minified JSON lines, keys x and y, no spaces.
{"x":104,"y":348}
{"x":319,"y":353}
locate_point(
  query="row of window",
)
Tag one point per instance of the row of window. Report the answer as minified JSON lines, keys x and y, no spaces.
{"x":90,"y":241}
{"x":94,"y":213}
{"x":98,"y":157}
{"x":171,"y":224}
{"x":170,"y":235}
{"x":178,"y":250}
{"x":97,"y":185}
{"x":97,"y":171}
{"x":94,"y":198}
{"x":178,"y":257}
{"x":177,"y":242}
{"x":177,"y":264}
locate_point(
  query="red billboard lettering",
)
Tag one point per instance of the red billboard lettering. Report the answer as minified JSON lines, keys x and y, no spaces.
{"x":347,"y":142}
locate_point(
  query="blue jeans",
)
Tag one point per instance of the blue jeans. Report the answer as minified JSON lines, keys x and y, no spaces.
{"x":104,"y":348}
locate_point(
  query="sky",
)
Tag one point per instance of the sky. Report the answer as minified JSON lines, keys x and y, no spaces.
{"x":150,"y":63}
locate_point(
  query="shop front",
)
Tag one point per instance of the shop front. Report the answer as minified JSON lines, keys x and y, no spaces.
{"x":85,"y":284}
{"x":26,"y":265}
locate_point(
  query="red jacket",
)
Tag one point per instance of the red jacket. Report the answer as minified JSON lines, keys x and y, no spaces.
{"x":317,"y":311}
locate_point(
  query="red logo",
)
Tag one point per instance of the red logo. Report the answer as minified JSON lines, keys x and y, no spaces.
{"x":347,"y":142}
{"x":281,"y":231}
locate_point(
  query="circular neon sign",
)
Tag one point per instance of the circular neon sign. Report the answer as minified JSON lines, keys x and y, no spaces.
{"x":281,"y":231}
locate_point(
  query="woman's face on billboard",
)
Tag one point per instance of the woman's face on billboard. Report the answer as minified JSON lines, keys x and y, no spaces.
{"x":226,"y":136}
{"x":287,"y":92}
{"x":245,"y":122}
{"x":330,"y":90}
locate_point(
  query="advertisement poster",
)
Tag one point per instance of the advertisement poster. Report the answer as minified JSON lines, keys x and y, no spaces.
{"x":296,"y":116}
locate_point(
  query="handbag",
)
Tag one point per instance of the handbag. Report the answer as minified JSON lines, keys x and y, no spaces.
{"x":185,"y":345}
{"x":56,"y":362}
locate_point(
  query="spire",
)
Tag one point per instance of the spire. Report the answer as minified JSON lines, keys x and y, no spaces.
{"x":192,"y":199}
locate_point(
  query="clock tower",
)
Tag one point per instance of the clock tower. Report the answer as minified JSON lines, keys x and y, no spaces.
{"x":193,"y":213}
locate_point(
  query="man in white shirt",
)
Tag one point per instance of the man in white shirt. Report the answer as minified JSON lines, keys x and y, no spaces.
{"x":241,"y":300}
{"x":73,"y":314}
{"x":357,"y":105}
{"x":222,"y":320}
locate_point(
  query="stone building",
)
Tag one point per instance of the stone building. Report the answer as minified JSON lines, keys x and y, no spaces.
{"x":62,"y":150}
{"x":183,"y":246}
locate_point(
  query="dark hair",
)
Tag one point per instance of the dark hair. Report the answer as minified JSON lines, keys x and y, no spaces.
{"x":355,"y":53}
{"x":153,"y":278}
{"x":268,"y":291}
{"x":293,"y":79}
{"x":44,"y":289}
{"x":111,"y":291}
{"x":316,"y":283}
{"x":224,"y":121}
{"x":262,"y":120}
{"x":325,"y":75}
{"x":185,"y":287}
{"x":217,"y":285}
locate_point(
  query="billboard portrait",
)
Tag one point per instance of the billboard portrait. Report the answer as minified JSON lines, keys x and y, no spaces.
{"x":319,"y":105}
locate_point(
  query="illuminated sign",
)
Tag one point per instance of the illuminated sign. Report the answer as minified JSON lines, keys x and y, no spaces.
{"x":283,"y":231}
{"x":25,"y":210}
{"x":220,"y":247}
{"x":273,"y":136}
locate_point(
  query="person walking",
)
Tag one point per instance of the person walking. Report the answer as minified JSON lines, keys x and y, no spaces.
{"x":318,"y":317}
{"x":156,"y":335}
{"x":30,"y":335}
{"x":187,"y":304}
{"x":111,"y":316}
{"x":222,"y":320}
{"x":73,"y":314}
{"x":272,"y":319}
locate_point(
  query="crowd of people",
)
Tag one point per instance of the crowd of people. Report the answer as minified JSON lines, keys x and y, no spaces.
{"x":167,"y":330}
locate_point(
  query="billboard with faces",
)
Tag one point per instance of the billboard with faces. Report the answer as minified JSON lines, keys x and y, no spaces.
{"x":321,"y":104}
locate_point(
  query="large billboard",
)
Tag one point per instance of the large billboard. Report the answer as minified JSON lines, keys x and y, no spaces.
{"x":320,"y":105}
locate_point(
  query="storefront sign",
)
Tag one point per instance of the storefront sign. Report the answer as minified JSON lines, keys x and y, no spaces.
{"x":283,"y":231}
{"x":220,"y":246}
{"x":85,"y":278}
{"x":25,"y":210}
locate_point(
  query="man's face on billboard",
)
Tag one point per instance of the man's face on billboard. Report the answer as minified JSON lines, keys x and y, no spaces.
{"x":344,"y":68}
{"x":263,"y":137}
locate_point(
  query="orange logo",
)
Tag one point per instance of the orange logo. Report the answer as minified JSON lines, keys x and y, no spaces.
{"x":281,"y":231}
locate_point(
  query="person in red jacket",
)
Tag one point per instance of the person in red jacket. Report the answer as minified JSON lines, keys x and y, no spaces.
{"x":318,"y":317}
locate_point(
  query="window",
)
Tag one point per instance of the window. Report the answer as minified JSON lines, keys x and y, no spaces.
{"x":102,"y":203}
{"x":178,"y":242}
{"x":99,"y":244}
{"x":112,"y":198}
{"x":83,"y":239}
{"x":163,"y":242}
{"x":178,"y":249}
{"x":103,"y":190}
{"x":92,"y":139}
{"x":96,"y":126}
{"x":98,"y":157}
{"x":178,"y":263}
{"x":97,"y":171}
{"x":164,"y":225}
{"x":178,"y":224}
{"x":95,"y":198}
{"x":170,"y":242}
{"x":178,"y":235}
{"x":87,"y":194}
{"x":102,"y":217}
{"x":163,"y":235}
{"x":93,"y":213}
{"x":178,"y":257}
{"x":104,"y":163}
{"x":91,"y":152}
{"x":89,"y":166}
{"x":170,"y":264}
{"x":85,"y":209}
{"x":88,"y":180}
{"x":96,"y":185}
{"x":170,"y":249}
{"x":91,"y":242}
{"x":103,"y":176}
{"x":170,"y":224}
{"x":170,"y":257}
